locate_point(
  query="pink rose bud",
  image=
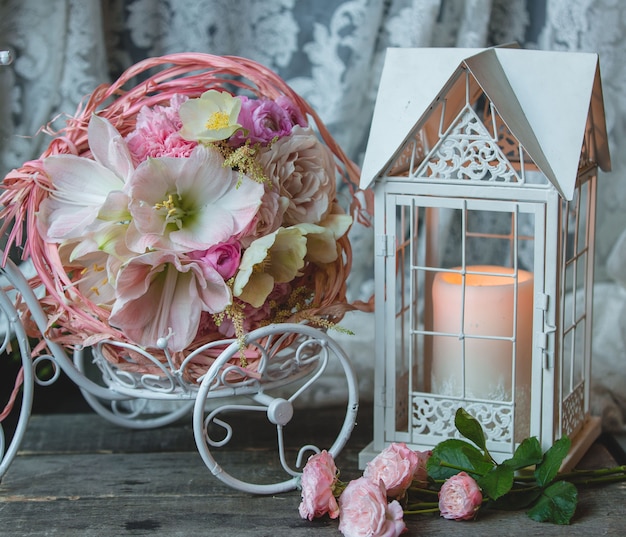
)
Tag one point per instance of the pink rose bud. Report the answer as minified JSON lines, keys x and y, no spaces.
{"x":318,"y":479}
{"x":459,"y":497}
{"x":420,"y":477}
{"x":223,"y":257}
{"x":395,"y":466}
{"x":364,"y":511}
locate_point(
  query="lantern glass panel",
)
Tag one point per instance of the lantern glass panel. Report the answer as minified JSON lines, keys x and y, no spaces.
{"x":443,"y":360}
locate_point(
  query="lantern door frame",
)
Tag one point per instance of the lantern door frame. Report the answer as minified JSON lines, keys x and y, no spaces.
{"x":390,"y":195}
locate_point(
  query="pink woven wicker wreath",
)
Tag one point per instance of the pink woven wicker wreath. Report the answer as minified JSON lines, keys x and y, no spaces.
{"x":174,"y":89}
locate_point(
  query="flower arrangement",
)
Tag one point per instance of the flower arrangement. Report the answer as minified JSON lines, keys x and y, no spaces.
{"x":195,"y":206}
{"x":457,"y":479}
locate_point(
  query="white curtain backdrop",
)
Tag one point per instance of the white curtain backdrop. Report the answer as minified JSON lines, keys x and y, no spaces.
{"x":331,"y":52}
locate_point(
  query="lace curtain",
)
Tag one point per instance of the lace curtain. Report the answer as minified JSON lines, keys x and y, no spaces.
{"x":330,"y":51}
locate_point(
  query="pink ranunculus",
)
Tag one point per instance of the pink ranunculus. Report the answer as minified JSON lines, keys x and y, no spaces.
{"x":364,"y":511}
{"x":459,"y":497}
{"x":394,"y":466}
{"x":294,"y":113}
{"x":223,"y":257}
{"x":420,"y":477}
{"x":318,"y":479}
{"x":302,"y":170}
{"x":156,"y":133}
{"x":262,"y":121}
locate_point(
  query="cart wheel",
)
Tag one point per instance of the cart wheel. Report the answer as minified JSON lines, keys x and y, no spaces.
{"x":13,"y":330}
{"x":292,"y":359}
{"x":132,"y":412}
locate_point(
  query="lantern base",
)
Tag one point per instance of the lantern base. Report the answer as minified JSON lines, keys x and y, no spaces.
{"x":580,"y":445}
{"x":582,"y":442}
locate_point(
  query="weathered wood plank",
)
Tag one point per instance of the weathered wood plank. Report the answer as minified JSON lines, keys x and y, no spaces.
{"x":80,"y":476}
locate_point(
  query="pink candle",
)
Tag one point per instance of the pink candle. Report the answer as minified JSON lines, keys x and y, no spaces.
{"x":489,"y":311}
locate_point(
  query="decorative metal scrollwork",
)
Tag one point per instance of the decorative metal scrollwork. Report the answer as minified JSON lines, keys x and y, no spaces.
{"x":433,"y":416}
{"x":468,"y":152}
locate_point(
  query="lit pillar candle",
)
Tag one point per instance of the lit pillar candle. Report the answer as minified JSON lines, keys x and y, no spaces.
{"x":489,"y":312}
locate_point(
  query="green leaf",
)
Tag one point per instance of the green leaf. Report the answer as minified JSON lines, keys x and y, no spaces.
{"x":497,"y":482}
{"x":557,"y":504}
{"x":518,"y":499}
{"x":552,"y":460}
{"x":470,"y":428}
{"x":452,"y":456}
{"x":528,"y":453}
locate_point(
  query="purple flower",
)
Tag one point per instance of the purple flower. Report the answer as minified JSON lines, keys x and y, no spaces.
{"x":263,"y":120}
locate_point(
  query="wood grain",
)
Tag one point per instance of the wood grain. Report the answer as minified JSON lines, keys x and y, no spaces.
{"x":78,"y":475}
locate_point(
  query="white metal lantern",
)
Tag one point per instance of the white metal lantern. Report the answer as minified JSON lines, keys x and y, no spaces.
{"x":484,"y":165}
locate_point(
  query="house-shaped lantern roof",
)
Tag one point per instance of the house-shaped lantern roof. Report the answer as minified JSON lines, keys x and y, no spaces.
{"x":547,"y":100}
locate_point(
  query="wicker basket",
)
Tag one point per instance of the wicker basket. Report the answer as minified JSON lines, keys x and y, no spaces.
{"x":76,"y":321}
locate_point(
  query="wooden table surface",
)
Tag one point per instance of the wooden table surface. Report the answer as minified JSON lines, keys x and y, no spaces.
{"x":79,"y":475}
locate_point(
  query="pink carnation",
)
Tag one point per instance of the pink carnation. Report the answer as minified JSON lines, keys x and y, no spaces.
{"x":395,"y":467}
{"x":460,"y":497}
{"x":156,"y":133}
{"x":364,"y":511}
{"x":318,"y":479}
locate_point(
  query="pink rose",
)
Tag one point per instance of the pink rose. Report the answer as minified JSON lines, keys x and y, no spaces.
{"x":420,"y":477}
{"x":318,"y":479}
{"x":223,"y":257}
{"x":459,"y":497}
{"x":156,"y":133}
{"x":263,"y":120}
{"x":364,"y":511}
{"x":302,"y":170}
{"x":394,"y":466}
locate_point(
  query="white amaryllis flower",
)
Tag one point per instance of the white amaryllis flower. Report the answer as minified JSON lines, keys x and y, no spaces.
{"x":189,"y":204}
{"x":210,"y":118}
{"x":86,"y":194}
{"x":94,"y":268}
{"x":98,"y":257}
{"x":160,"y":294}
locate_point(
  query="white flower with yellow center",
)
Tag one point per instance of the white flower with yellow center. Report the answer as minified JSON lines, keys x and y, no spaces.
{"x":210,"y":118}
{"x":274,"y":258}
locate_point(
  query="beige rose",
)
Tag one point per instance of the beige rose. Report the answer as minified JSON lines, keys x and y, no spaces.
{"x":302,"y":170}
